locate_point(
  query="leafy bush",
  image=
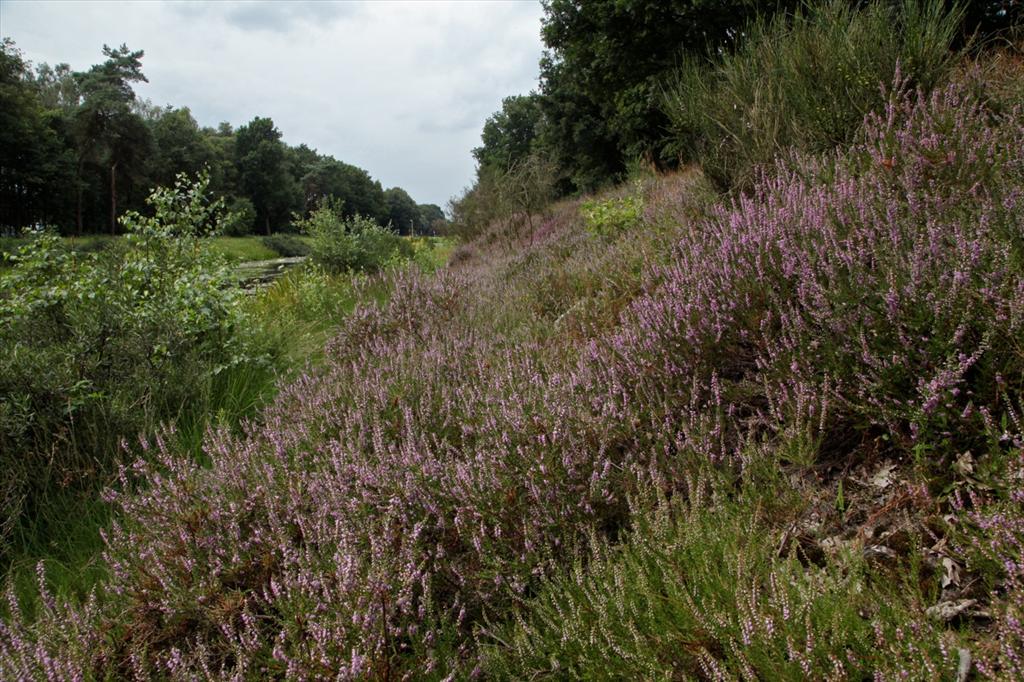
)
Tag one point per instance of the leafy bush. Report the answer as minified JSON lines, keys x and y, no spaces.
{"x":611,"y":217}
{"x":350,"y":244}
{"x":804,"y":81}
{"x":287,"y":245}
{"x":99,"y":346}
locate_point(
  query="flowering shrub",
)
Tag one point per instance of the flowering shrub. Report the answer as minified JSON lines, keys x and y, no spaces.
{"x":876,"y":291}
{"x":481,"y":428}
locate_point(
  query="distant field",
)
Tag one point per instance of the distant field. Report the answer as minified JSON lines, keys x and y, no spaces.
{"x":238,"y":249}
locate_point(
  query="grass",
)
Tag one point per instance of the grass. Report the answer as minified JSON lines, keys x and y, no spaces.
{"x":699,"y":590}
{"x":804,"y":82}
{"x":243,"y":249}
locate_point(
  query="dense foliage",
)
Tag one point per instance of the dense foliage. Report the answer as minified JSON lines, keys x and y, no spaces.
{"x":601,"y":110}
{"x":803,"y":82}
{"x":103,"y":345}
{"x":354,"y":243}
{"x":602,"y":74}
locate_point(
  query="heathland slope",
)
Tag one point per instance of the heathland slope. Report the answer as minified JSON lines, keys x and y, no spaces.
{"x":657,"y":434}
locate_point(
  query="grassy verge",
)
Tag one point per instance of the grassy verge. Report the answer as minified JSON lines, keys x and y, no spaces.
{"x":241,"y":249}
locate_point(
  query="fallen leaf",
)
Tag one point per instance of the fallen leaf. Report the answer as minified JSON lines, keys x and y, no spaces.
{"x":964,"y":464}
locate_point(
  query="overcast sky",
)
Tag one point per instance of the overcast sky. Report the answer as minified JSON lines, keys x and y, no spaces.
{"x":401,"y":89}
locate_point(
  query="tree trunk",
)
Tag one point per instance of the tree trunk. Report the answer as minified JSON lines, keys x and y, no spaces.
{"x":267,"y":222}
{"x":113,"y":198}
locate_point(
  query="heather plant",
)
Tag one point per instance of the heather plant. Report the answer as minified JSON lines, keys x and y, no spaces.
{"x":401,"y":448}
{"x":789,"y":294}
{"x":700,"y":591}
{"x":803,"y":81}
{"x":466,"y":438}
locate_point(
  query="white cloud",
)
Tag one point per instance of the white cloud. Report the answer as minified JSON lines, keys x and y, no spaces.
{"x":401,"y":89}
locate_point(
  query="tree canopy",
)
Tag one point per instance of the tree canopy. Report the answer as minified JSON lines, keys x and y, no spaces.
{"x":79,"y":148}
{"x":33,"y":162}
{"x":509,"y":133}
{"x":263,"y":176}
{"x":603,"y":68}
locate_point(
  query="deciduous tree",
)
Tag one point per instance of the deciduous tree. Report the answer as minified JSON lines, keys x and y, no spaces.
{"x":263,"y":175}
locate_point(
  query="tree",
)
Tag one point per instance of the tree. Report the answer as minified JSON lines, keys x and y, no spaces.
{"x":431,"y":216}
{"x":57,"y":87}
{"x":302,"y":165}
{"x":403,"y":213}
{"x":33,"y":161}
{"x":262,"y":171}
{"x":602,"y":71}
{"x":220,"y":143}
{"x":180,"y":147}
{"x":527,"y":188}
{"x":107,"y":131}
{"x":359,"y":193}
{"x":508,"y":134}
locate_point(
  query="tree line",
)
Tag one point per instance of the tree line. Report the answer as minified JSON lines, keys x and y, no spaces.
{"x":79,"y":148}
{"x":607,"y":64}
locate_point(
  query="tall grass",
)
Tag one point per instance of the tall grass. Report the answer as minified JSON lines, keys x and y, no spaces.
{"x":700,"y":590}
{"x":804,"y":81}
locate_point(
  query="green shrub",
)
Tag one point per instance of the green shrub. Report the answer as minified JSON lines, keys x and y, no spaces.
{"x":100,"y":346}
{"x":611,"y":217}
{"x":286,"y":245}
{"x":350,"y":244}
{"x":804,"y":81}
